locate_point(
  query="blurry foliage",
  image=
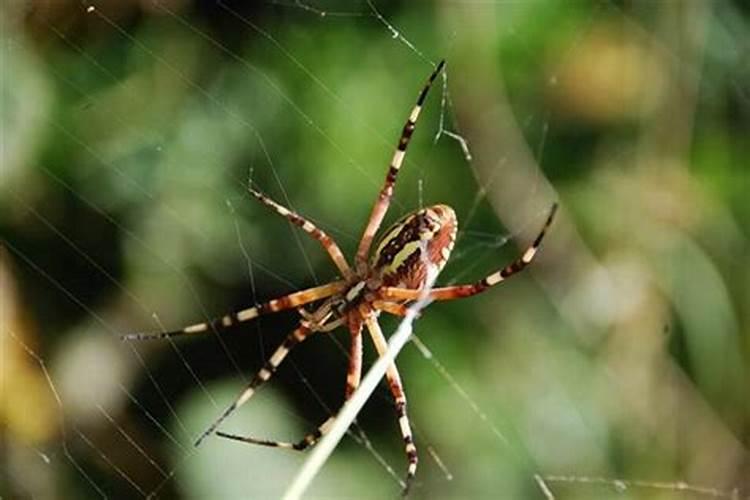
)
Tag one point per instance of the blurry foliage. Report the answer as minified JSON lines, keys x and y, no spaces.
{"x":130,"y":132}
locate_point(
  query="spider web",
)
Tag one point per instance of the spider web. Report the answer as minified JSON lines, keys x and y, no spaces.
{"x":161,"y":112}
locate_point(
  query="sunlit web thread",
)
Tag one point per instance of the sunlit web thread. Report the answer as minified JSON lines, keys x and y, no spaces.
{"x":355,"y":432}
{"x":68,"y":241}
{"x":152,"y":419}
{"x":59,"y":402}
{"x":621,"y":485}
{"x":373,"y":131}
{"x":446,"y":472}
{"x":295,"y":234}
{"x":307,"y":119}
{"x":185,"y":363}
{"x":427,"y":354}
{"x":113,"y":280}
{"x":104,"y":324}
{"x":61,"y":409}
{"x":318,"y":12}
{"x":249,"y":264}
{"x":83,"y":437}
{"x":173,"y":213}
{"x":130,"y":440}
{"x":103,"y":456}
{"x":115,"y":79}
{"x":480,"y":195}
{"x":182,"y":462}
{"x":446,"y":106}
{"x":396,"y":34}
{"x":96,"y":316}
{"x":219,"y":104}
{"x":472,"y":404}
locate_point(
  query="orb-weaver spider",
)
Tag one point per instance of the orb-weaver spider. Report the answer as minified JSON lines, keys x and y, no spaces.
{"x":391,"y":280}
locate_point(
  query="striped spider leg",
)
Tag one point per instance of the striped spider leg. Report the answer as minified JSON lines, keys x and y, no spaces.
{"x":399,"y":399}
{"x":230,"y":320}
{"x":328,"y":243}
{"x":386,"y":192}
{"x":353,"y":376}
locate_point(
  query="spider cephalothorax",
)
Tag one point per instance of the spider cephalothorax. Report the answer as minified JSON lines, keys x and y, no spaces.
{"x":416,"y":246}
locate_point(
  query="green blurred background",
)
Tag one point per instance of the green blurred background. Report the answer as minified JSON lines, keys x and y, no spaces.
{"x":130,"y":131}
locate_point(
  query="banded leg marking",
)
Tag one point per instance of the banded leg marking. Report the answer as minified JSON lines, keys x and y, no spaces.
{"x":260,"y":377}
{"x":328,"y":243}
{"x":352,"y":382}
{"x":399,"y":398}
{"x":301,"y":445}
{"x":386,"y":192}
{"x":460,"y":291}
{"x":228,"y":320}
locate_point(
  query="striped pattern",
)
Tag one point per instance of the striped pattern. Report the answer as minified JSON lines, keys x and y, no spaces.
{"x":262,"y":376}
{"x":330,"y":246}
{"x":302,"y":444}
{"x":455,"y":292}
{"x":352,"y":382}
{"x":399,"y":398}
{"x":290,"y":301}
{"x":386,"y":192}
{"x":421,"y":240}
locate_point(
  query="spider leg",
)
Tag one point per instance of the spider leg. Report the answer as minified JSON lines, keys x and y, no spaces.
{"x":353,"y":377}
{"x":399,"y":398}
{"x":460,"y":291}
{"x":386,"y":192}
{"x":290,"y":301}
{"x":294,"y":338}
{"x":394,"y":308}
{"x":328,"y":243}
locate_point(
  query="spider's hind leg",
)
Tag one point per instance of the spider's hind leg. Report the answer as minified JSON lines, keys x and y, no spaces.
{"x":353,"y":376}
{"x":399,"y":399}
{"x":262,"y":376}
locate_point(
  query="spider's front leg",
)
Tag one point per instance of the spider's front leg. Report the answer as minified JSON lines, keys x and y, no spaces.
{"x":386,"y":192}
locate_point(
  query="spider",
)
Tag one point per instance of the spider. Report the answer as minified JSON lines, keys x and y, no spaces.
{"x":419,"y":243}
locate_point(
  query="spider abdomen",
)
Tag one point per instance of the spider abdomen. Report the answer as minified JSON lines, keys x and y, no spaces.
{"x":421,"y":239}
